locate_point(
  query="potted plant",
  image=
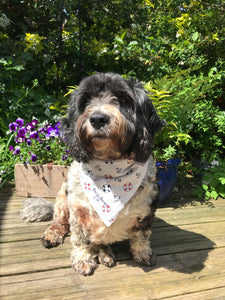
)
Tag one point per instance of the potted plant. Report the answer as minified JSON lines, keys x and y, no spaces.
{"x":167,"y":175}
{"x":40,"y":158}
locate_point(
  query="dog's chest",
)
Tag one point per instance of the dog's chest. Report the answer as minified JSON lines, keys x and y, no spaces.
{"x":83,"y":213}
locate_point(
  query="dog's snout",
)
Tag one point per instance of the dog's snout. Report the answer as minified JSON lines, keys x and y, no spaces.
{"x":99,"y":120}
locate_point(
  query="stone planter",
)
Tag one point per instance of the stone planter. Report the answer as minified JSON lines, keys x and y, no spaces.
{"x":39,"y":180}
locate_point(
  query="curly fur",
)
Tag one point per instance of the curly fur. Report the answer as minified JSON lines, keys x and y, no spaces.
{"x":37,"y":210}
{"x":109,"y":118}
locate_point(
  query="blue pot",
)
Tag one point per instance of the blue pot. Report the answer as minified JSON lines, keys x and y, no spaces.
{"x":167,"y":175}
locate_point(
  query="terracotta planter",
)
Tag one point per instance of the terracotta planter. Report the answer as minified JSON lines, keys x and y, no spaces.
{"x":39,"y":180}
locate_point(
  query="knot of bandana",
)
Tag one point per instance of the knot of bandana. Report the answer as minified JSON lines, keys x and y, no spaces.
{"x":109,"y":185}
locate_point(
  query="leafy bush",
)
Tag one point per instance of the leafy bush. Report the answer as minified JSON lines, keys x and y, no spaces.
{"x":19,"y":99}
{"x":195,"y":126}
{"x":207,"y":128}
{"x":213,"y":185}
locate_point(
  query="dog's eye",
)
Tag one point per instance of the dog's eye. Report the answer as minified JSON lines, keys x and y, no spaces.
{"x":126,"y":103}
{"x":83,"y":104}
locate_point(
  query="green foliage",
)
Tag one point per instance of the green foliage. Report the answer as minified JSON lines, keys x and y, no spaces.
{"x":6,"y":163}
{"x":171,"y":137}
{"x":195,"y":127}
{"x":207,"y":127}
{"x":213,"y":182}
{"x":19,"y":99}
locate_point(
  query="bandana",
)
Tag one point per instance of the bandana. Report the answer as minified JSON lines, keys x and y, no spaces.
{"x":109,"y":185}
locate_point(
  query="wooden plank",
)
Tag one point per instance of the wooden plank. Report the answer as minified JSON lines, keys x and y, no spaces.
{"x":63,"y":251}
{"x":159,"y":222}
{"x":189,"y":243}
{"x":212,"y":294}
{"x":133,"y":281}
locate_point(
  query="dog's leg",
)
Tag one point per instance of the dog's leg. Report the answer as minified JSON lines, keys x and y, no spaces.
{"x":84,"y":253}
{"x":139,"y":239}
{"x":83,"y":259}
{"x":55,"y":233}
{"x":106,"y":256}
{"x":140,"y":246}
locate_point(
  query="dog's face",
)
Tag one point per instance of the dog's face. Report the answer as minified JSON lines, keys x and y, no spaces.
{"x":104,"y":129}
{"x":110,"y":118}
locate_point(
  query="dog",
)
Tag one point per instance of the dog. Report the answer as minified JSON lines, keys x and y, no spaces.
{"x":111,"y":193}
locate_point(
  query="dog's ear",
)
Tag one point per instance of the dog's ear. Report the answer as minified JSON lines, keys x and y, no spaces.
{"x":68,"y":131}
{"x":148,"y":124}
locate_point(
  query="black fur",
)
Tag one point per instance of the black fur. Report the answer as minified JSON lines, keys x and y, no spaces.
{"x":134,"y":105}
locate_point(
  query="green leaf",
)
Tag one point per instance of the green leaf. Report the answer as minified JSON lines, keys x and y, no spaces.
{"x":205,"y":187}
{"x":214,"y":195}
{"x":222,"y":180}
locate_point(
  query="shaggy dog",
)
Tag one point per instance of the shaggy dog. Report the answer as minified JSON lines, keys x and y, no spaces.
{"x":111,"y":192}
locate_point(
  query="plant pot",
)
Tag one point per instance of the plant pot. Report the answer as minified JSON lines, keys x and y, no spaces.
{"x":167,"y":175}
{"x":39,"y":180}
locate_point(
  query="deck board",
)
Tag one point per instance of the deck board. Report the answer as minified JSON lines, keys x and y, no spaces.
{"x":188,"y":241}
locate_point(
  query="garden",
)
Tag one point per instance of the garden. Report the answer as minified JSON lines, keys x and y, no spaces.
{"x":176,"y":48}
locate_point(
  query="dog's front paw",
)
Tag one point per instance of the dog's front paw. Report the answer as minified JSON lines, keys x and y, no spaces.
{"x":85,"y":267}
{"x":106,"y":257}
{"x":145,"y":259}
{"x":53,"y":236}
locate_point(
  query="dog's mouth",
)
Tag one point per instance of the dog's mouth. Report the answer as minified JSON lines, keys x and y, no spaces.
{"x":101,"y":134}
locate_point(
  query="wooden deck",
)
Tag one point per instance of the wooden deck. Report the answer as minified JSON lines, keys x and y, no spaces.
{"x":188,"y":239}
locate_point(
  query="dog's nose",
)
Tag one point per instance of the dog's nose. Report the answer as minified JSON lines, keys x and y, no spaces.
{"x":99,"y":120}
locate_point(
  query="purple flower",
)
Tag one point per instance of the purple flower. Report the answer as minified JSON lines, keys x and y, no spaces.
{"x":13,"y":126}
{"x":19,"y":122}
{"x":50,"y":128}
{"x":28,"y":141}
{"x":22,"y":131}
{"x":41,"y":130}
{"x":34,"y":135}
{"x":29,"y":127}
{"x":64,"y":157}
{"x":11,"y":148}
{"x":48,"y":148}
{"x":67,"y":151}
{"x":33,"y":157}
{"x":17,"y":150}
{"x":19,"y":138}
{"x":52,"y":132}
{"x":34,"y":122}
{"x":57,"y":125}
{"x":47,"y":126}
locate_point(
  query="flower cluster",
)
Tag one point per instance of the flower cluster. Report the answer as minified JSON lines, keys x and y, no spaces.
{"x":36,"y":142}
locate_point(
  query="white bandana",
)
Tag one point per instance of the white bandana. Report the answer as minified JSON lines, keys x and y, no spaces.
{"x":109,"y":185}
